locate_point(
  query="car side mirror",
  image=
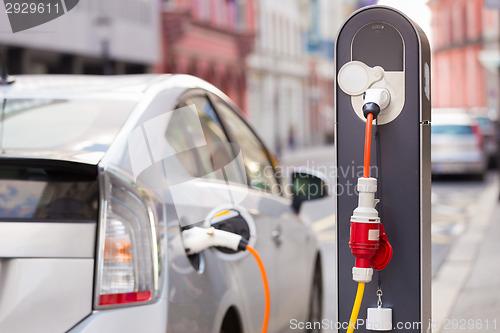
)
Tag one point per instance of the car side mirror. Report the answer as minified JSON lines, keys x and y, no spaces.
{"x":306,"y":187}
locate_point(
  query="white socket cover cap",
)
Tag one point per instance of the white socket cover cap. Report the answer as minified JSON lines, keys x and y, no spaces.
{"x":355,"y":77}
{"x":379,"y":319}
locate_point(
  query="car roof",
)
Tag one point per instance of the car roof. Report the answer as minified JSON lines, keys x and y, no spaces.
{"x":116,"y":87}
{"x":123,"y":87}
{"x":71,"y":85}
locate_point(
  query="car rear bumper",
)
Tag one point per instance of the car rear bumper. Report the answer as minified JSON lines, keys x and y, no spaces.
{"x":151,"y":318}
{"x":456,"y":168}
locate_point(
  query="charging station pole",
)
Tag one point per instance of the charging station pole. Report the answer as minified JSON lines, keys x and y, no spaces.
{"x":382,"y":36}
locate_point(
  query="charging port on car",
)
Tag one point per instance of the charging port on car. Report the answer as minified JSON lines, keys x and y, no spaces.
{"x":230,"y":220}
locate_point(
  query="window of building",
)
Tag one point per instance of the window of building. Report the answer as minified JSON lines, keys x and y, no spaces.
{"x":463,"y":14}
{"x":241,"y":23}
{"x":202,"y":10}
{"x":471,"y":20}
{"x":456,"y":22}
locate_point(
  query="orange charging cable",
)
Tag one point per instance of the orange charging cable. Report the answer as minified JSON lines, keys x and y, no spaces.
{"x":368,"y":145}
{"x":266,"y":287}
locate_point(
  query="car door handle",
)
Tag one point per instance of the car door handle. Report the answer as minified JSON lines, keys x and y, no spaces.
{"x":276,"y":236}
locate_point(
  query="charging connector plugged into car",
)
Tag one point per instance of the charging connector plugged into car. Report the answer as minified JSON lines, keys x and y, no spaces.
{"x":198,"y":239}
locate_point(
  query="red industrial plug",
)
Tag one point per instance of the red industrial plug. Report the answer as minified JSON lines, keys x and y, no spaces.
{"x":368,"y":241}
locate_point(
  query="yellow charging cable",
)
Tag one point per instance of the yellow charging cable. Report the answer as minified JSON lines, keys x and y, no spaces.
{"x":355,"y":308}
{"x":366,"y":174}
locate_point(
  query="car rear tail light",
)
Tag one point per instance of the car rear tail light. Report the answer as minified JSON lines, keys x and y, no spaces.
{"x":128,"y":259}
{"x":478,"y":135}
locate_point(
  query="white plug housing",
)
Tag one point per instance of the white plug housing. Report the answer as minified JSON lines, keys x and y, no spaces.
{"x":199,"y":239}
{"x":379,"y":96}
{"x":366,"y":212}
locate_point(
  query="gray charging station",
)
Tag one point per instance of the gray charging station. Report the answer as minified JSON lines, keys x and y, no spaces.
{"x":382,"y":36}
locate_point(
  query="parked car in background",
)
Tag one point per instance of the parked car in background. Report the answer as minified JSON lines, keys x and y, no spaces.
{"x":457,"y":145}
{"x":98,"y":178}
{"x":490,"y":136}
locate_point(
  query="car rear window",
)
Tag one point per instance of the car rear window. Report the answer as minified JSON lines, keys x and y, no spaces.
{"x":452,"y":129}
{"x":485,"y":123}
{"x":62,"y":124}
{"x":31,"y":193}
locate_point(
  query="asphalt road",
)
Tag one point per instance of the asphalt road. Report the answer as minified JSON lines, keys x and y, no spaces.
{"x":454,"y":204}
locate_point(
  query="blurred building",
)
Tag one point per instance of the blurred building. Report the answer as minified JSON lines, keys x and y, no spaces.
{"x":325,"y":18}
{"x":490,"y":56}
{"x":278,"y":76}
{"x":209,"y":39}
{"x":113,"y":36}
{"x":320,"y":47}
{"x":462,"y":30}
{"x":291,"y":72}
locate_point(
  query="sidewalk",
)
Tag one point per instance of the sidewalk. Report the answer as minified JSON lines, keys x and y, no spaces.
{"x":466,"y":290}
{"x":479,"y":301}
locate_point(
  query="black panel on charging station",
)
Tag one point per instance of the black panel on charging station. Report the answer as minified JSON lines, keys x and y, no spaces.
{"x":401,"y":163}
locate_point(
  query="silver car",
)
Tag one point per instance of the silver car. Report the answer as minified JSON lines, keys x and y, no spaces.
{"x":457,"y":145}
{"x":98,"y":178}
{"x":490,"y":137}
